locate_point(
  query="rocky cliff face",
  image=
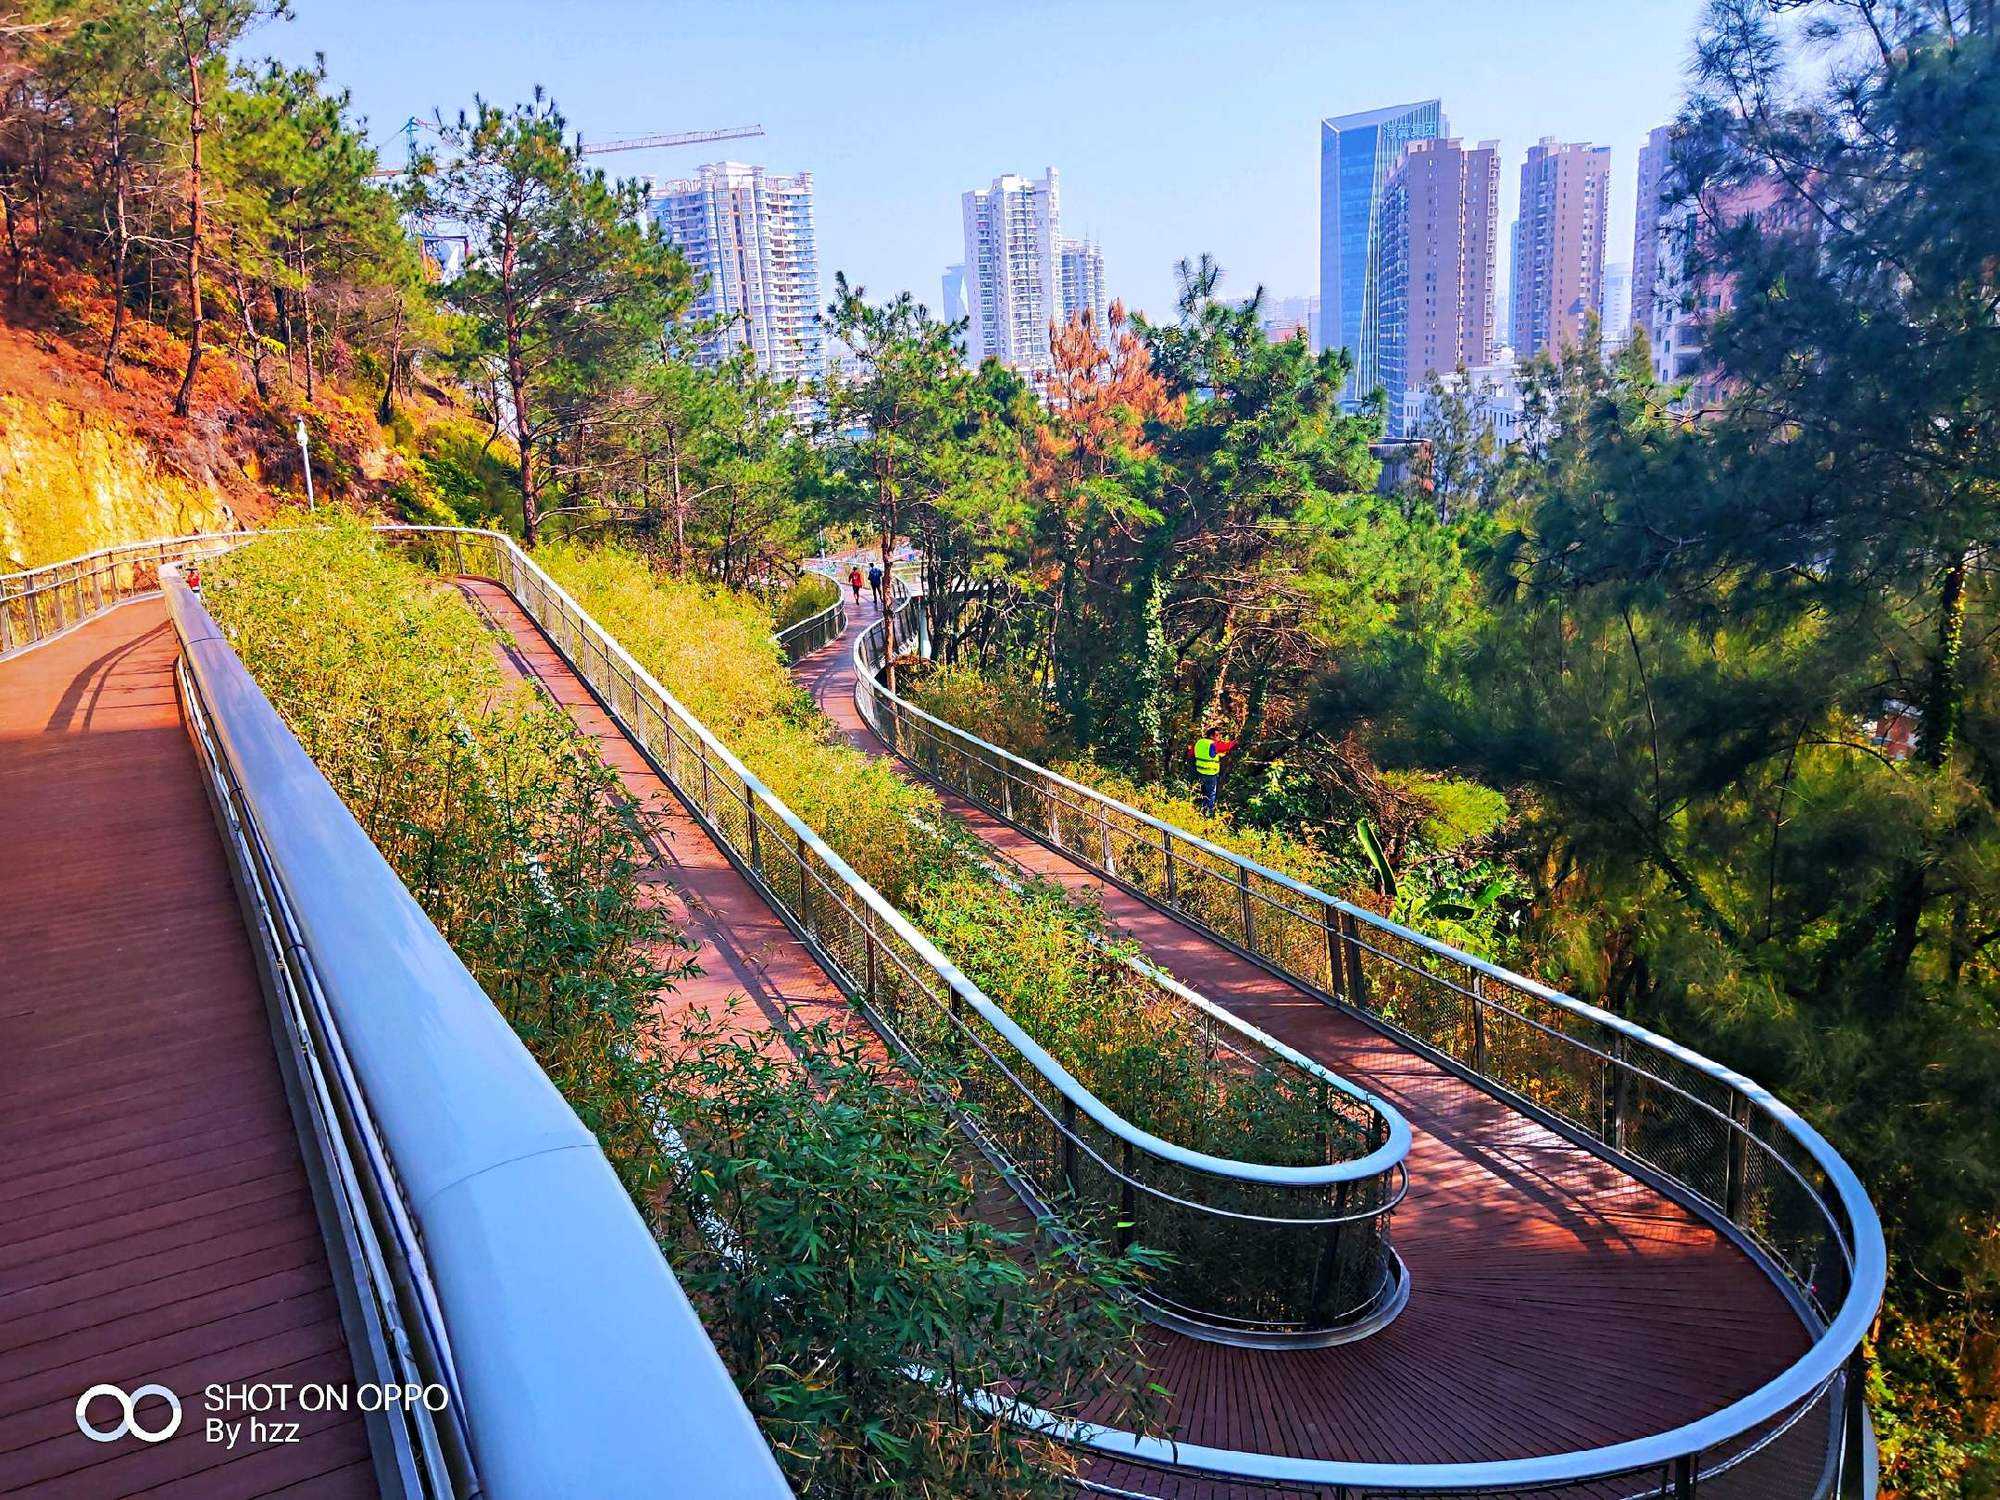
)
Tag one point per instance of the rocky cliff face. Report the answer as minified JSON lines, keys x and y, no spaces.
{"x":74,"y":480}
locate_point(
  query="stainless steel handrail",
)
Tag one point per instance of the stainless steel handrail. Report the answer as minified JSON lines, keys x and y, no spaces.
{"x":1705,"y":1134}
{"x":577,"y":1362}
{"x":41,"y":603}
{"x":1066,"y":1149}
{"x":803,"y":637}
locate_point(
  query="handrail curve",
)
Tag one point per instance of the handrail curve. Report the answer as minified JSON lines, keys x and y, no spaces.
{"x":1833,"y":1270}
{"x":803,"y":637}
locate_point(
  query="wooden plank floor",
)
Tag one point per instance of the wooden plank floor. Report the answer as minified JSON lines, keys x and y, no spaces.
{"x":155,"y":1220}
{"x":1556,"y":1303}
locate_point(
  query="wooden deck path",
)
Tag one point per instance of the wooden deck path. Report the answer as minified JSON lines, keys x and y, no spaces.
{"x":155,"y":1219}
{"x":1556,"y":1303}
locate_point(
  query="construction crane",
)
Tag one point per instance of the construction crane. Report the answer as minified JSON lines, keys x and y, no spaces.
{"x":599,"y":148}
{"x":676,"y":138}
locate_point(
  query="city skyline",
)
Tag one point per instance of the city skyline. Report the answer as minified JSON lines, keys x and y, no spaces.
{"x":1228,"y":170}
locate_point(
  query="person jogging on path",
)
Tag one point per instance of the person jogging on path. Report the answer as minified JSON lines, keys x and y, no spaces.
{"x":854,"y":582}
{"x":875,"y":582}
{"x":1208,"y":752}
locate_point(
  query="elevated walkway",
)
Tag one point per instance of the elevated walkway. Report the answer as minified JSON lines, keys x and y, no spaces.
{"x":156,"y":1220}
{"x":1557,"y":1303}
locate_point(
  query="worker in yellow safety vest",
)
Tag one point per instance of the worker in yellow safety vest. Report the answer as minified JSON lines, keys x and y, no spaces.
{"x":1208,"y":752}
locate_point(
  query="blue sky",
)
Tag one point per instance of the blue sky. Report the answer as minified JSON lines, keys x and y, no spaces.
{"x":1177,"y":127}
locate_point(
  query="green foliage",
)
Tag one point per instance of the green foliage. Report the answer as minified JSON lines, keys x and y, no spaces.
{"x":234,"y":205}
{"x":1048,"y":958}
{"x":852,"y":1253}
{"x":1044,"y":954}
{"x":504,"y":825}
{"x":804,"y":599}
{"x":462,"y":475}
{"x":1007,"y":708}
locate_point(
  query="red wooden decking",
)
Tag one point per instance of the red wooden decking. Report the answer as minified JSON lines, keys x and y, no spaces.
{"x":1556,"y":1303}
{"x":742,"y":949}
{"x":155,"y":1220}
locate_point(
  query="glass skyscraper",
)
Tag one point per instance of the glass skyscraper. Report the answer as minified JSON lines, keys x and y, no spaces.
{"x":1356,"y":153}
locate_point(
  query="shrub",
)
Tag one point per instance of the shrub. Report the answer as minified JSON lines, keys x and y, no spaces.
{"x":803,"y":600}
{"x":1006,"y":708}
{"x":854,"y":1252}
{"x":505,"y":827}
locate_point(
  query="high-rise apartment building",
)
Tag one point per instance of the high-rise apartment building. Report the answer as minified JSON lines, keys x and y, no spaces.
{"x":1013,"y":270}
{"x":1646,"y":225}
{"x":1615,"y":311}
{"x":1686,"y":302}
{"x":1559,"y":244}
{"x":1440,"y":230}
{"x":1356,"y":153}
{"x":749,"y":233}
{"x":1083,"y":282}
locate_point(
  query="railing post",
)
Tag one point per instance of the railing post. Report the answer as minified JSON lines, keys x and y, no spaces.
{"x":1616,"y":1096}
{"x":1069,"y":1145}
{"x":1684,"y":1476}
{"x":1167,"y":844}
{"x":1328,"y":921}
{"x":874,"y":963}
{"x":1853,"y":1404}
{"x":805,"y":914}
{"x":1738,"y":1167}
{"x":1328,"y":1269}
{"x":1128,"y":1211}
{"x":1357,"y":976}
{"x":1249,"y":922}
{"x":1104,"y":840}
{"x":1006,"y":794}
{"x":1479,"y":1024}
{"x":750,"y":813}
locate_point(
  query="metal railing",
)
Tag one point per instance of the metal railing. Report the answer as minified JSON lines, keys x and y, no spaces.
{"x":41,"y":603}
{"x":803,"y":637}
{"x":482,"y":1244}
{"x":1277,"y":1253}
{"x":1708,"y":1137}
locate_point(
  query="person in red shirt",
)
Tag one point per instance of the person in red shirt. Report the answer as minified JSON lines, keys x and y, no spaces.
{"x":854,"y":582}
{"x":1208,"y":752}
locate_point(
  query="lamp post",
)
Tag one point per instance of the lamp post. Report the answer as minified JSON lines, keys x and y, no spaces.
{"x":305,"y":457}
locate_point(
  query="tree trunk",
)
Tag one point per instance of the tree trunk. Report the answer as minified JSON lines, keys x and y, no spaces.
{"x":197,"y":128}
{"x":250,"y":335}
{"x":1944,"y":692}
{"x":121,"y":239}
{"x":517,"y":389}
{"x":12,"y":215}
{"x":886,"y":502}
{"x":306,"y":318}
{"x":386,"y":409}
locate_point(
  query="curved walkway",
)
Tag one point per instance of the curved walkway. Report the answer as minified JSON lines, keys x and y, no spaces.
{"x":1556,"y":1303}
{"x":156,"y":1223}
